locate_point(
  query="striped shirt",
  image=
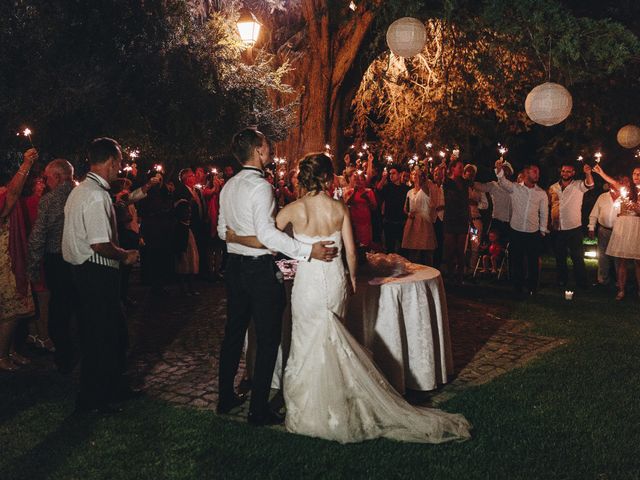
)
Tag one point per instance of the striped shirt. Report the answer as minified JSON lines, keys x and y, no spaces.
{"x":89,"y":220}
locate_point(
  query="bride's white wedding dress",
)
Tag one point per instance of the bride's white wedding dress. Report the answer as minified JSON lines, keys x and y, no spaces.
{"x":332,"y":389}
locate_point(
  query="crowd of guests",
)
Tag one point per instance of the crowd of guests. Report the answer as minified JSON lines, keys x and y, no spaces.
{"x":170,"y":228}
{"x":67,"y":247}
{"x":439,"y":215}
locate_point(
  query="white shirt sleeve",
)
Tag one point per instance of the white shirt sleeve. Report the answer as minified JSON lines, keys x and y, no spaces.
{"x":265,"y":227}
{"x":95,"y":217}
{"x":544,"y":212}
{"x":483,"y":187}
{"x":593,"y":216}
{"x":137,"y":195}
{"x":222,"y":223}
{"x":504,"y":182}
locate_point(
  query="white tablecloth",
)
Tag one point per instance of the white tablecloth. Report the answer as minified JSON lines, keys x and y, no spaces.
{"x":403,"y":322}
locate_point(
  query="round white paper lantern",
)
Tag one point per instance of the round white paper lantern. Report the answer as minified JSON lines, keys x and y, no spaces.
{"x":548,"y":104}
{"x":406,"y":37}
{"x":629,"y":136}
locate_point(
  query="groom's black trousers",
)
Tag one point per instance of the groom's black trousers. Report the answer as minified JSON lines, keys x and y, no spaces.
{"x":254,"y":292}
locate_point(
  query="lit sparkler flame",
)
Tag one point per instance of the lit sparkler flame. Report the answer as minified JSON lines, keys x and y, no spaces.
{"x":598,"y":156}
{"x":428,"y":144}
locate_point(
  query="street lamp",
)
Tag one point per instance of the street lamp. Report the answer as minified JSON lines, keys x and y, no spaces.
{"x":248,"y":27}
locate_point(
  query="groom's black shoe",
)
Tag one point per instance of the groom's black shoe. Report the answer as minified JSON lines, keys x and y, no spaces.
{"x":227,"y":404}
{"x":270,"y":418}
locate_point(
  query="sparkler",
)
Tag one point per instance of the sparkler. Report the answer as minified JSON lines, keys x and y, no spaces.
{"x":158,"y":168}
{"x":327,"y":147}
{"x":353,"y":6}
{"x":598,"y":156}
{"x":442,"y":154}
{"x":428,"y":144}
{"x":27,"y":133}
{"x":389,"y":159}
{"x":624,"y":193}
{"x":360,"y":154}
{"x":133,"y":154}
{"x":365,"y":146}
{"x":455,"y":152}
{"x":198,"y":186}
{"x":502,"y":149}
{"x":580,"y":158}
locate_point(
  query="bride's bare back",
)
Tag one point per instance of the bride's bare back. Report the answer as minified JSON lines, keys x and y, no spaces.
{"x":313,"y":215}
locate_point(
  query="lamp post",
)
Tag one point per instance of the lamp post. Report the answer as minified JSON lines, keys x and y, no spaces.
{"x":248,"y":27}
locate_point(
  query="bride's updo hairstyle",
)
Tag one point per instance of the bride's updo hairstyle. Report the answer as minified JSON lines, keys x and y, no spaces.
{"x":316,"y":172}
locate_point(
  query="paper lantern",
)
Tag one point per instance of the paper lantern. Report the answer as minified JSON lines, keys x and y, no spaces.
{"x":406,"y":37}
{"x":629,"y":136}
{"x":548,"y":104}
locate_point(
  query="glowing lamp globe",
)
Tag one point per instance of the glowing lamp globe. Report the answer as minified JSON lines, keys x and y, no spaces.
{"x":406,"y":37}
{"x":548,"y":104}
{"x":629,"y":136}
{"x":248,"y":28}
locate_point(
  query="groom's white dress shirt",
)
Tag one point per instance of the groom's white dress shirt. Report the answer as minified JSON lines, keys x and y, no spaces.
{"x":248,"y":207}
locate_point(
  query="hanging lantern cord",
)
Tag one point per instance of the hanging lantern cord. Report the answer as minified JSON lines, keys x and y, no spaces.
{"x":549,"y":70}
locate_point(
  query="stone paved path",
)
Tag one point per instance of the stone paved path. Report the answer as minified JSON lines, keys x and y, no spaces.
{"x":176,"y":340}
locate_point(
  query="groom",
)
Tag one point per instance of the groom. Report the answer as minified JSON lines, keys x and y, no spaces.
{"x":255,"y":288}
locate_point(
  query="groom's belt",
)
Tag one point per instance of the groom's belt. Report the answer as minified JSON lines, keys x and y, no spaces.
{"x":250,"y":258}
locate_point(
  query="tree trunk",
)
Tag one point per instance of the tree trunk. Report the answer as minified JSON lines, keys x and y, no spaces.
{"x":324,"y":76}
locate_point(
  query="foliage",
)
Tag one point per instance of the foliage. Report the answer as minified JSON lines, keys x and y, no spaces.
{"x":471,"y":79}
{"x":145,"y":73}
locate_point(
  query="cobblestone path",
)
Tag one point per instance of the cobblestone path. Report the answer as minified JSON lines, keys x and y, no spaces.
{"x":176,"y":340}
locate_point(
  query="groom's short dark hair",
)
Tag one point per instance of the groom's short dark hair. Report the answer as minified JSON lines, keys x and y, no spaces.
{"x":244,"y":142}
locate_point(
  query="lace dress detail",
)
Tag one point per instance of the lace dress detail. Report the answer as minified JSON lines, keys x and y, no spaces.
{"x":332,"y":388}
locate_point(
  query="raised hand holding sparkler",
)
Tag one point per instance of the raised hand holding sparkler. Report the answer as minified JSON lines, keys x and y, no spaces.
{"x":26,"y":133}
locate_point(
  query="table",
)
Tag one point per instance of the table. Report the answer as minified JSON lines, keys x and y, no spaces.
{"x":402,"y":321}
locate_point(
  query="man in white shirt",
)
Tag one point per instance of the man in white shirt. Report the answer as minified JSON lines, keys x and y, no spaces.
{"x":566,"y":197}
{"x":603,"y":214}
{"x":529,"y":213}
{"x":90,"y":245}
{"x":255,"y":287}
{"x":501,"y":201}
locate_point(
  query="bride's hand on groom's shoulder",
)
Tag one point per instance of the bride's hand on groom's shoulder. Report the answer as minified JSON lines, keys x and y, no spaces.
{"x":322,"y":251}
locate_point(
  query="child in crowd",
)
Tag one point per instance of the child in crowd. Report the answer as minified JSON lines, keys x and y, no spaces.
{"x":185,"y":248}
{"x":495,"y":251}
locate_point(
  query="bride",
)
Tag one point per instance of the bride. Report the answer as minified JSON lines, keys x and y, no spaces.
{"x":332,"y":388}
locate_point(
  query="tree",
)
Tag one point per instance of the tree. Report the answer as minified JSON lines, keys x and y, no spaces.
{"x":142,"y":72}
{"x":330,"y":49}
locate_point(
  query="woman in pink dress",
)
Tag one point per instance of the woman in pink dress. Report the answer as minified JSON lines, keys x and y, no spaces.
{"x":361,"y":202}
{"x":16,"y":301}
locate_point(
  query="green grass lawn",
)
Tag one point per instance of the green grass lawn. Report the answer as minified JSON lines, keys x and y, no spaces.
{"x":573,"y":413}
